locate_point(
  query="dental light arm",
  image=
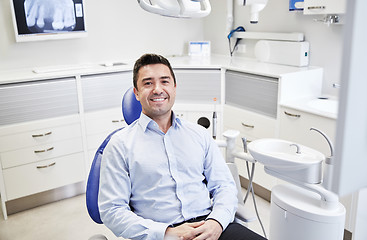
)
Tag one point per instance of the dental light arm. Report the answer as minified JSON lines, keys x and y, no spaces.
{"x":256,"y":7}
{"x":177,"y":8}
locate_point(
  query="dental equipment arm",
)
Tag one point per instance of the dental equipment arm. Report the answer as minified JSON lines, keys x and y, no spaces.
{"x":177,"y":8}
{"x":328,"y":199}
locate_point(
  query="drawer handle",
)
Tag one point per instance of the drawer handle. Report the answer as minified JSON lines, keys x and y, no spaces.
{"x":316,"y":7}
{"x":292,"y":115}
{"x":117,"y":121}
{"x":44,"y":150}
{"x":42,"y":135}
{"x":46,"y":166}
{"x":247,"y":125}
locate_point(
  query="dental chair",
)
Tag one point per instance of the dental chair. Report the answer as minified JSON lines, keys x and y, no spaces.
{"x":131,"y":110}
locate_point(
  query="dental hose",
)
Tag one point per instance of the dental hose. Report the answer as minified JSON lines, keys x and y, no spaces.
{"x":250,"y":189}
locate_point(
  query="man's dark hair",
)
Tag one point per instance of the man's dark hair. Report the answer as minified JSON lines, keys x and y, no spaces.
{"x":148,"y":59}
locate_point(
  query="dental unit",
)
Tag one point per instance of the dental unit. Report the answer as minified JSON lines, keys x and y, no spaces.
{"x":303,"y":209}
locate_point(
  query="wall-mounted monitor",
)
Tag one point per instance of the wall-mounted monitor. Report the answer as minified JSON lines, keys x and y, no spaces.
{"x":36,"y":20}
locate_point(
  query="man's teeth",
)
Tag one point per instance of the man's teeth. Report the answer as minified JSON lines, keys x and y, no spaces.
{"x":158,"y":99}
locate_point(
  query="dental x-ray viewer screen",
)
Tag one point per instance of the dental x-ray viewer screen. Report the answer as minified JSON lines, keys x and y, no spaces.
{"x":48,"y":19}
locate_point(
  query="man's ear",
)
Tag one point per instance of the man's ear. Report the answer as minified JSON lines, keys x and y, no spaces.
{"x":136,"y":93}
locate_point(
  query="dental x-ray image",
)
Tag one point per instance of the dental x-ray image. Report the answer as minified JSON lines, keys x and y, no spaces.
{"x":50,"y":15}
{"x":48,"y":19}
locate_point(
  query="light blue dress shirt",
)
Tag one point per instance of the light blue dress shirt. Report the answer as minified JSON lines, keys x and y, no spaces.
{"x":150,"y":179}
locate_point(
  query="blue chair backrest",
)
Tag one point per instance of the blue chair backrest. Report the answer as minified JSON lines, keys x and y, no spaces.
{"x":131,"y":109}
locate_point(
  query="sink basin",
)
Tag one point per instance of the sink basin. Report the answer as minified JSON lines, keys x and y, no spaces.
{"x":324,"y":105}
{"x":280,"y":158}
{"x":281,"y":154}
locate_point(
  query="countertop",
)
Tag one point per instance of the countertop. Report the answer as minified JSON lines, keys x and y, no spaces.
{"x":326,"y":107}
{"x":248,"y":65}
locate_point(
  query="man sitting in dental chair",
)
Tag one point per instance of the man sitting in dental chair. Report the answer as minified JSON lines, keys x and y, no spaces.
{"x":163,"y":177}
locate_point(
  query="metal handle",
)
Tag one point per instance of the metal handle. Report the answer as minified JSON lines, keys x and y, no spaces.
{"x":292,"y":115}
{"x":41,"y":135}
{"x":44,"y":150}
{"x":117,"y":121}
{"x":244,"y":142}
{"x":247,"y":125}
{"x":316,"y":7}
{"x":46,"y":166}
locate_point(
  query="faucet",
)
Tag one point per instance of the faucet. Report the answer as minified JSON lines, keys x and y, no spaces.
{"x":328,"y":141}
{"x":298,"y":151}
{"x":328,"y":170}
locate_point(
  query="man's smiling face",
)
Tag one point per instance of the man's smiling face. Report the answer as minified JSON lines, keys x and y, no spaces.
{"x":156,"y":90}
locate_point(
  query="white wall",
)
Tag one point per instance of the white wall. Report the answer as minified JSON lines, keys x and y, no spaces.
{"x":325,"y":42}
{"x":117,"y":30}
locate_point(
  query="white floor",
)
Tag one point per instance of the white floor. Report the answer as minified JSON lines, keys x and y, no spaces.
{"x":68,"y":220}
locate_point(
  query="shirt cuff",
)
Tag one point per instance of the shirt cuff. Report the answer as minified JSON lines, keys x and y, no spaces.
{"x":222,"y":216}
{"x":158,"y":230}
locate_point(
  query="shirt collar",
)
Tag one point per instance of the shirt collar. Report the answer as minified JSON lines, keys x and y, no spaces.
{"x":146,"y":122}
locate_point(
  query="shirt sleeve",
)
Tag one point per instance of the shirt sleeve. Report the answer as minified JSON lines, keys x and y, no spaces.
{"x":220,"y":184}
{"x":114,"y":195}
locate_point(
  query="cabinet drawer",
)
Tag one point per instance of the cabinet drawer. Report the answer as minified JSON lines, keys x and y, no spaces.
{"x":42,"y":176}
{"x":249,"y":123}
{"x":104,"y":121}
{"x":41,"y":152}
{"x":39,"y":137}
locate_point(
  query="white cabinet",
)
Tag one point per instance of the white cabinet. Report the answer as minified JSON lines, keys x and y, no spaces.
{"x":324,"y":6}
{"x":40,"y":155}
{"x":251,"y":108}
{"x":41,"y":144}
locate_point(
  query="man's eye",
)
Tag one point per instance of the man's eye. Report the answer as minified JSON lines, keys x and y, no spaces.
{"x":147,"y":83}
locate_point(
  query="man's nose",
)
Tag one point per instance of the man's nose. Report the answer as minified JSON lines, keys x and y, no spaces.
{"x":157,"y":88}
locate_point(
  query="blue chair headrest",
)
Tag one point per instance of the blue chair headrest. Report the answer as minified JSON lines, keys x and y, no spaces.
{"x":131,"y":108}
